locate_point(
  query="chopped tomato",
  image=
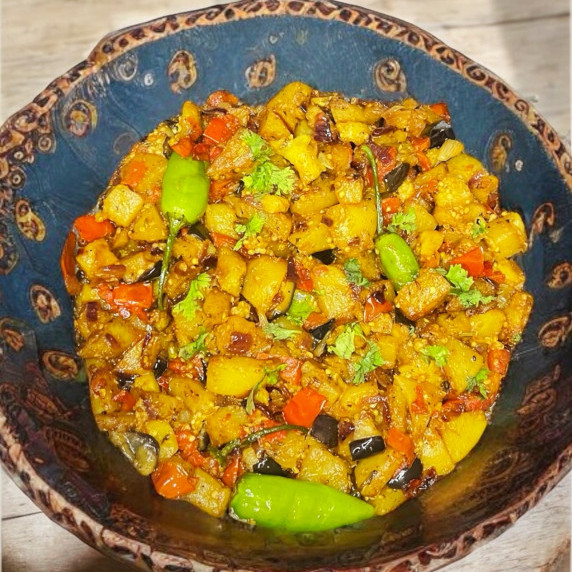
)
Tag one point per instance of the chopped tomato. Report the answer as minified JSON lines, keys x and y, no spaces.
{"x":220,"y":240}
{"x":171,"y":480}
{"x":67,"y":264}
{"x":183,"y":147}
{"x":374,"y":306}
{"x":498,"y":360}
{"x":221,"y":96}
{"x":232,"y":471}
{"x":188,"y":447}
{"x":90,"y":229}
{"x":126,"y":399}
{"x":133,"y":173}
{"x":292,"y":373}
{"x":494,"y":275}
{"x":304,"y":407}
{"x":401,"y":442}
{"x":442,"y":109}
{"x":221,"y":129}
{"x":472,"y":261}
{"x":303,"y":279}
{"x":201,"y":151}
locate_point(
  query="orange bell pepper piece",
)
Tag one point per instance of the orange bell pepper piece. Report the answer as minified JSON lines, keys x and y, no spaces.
{"x":304,"y":407}
{"x":171,"y":480}
{"x":221,"y":129}
{"x":90,"y":229}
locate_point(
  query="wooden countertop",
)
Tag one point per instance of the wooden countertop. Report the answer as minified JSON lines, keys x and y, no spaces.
{"x":526,"y":42}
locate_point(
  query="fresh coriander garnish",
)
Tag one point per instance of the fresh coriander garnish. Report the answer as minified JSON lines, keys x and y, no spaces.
{"x":438,"y":353}
{"x":344,"y":345}
{"x":251,"y":228}
{"x":269,"y":178}
{"x":462,"y":284}
{"x":257,"y":145}
{"x":188,"y":306}
{"x":370,"y":361}
{"x":198,"y":346}
{"x":478,"y":382}
{"x":403,"y":221}
{"x":279,"y":332}
{"x":301,"y":307}
{"x":270,"y":377}
{"x":353,"y":272}
{"x":479,"y":227}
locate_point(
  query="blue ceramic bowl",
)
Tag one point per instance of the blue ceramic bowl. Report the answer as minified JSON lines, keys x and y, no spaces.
{"x":56,"y":156}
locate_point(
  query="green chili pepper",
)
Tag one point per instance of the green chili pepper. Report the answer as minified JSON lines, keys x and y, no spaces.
{"x":253,"y":437}
{"x":183,"y":201}
{"x":397,"y":259}
{"x":368,"y":152}
{"x":296,"y":506}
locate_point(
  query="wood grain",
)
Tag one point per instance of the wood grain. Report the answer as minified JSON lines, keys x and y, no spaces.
{"x":525,"y":42}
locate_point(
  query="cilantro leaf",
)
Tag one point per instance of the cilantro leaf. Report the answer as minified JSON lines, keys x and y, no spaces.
{"x":269,"y":178}
{"x":353,"y":272}
{"x":370,"y":361}
{"x":198,"y":346}
{"x":301,"y":307}
{"x":473,"y":298}
{"x":479,"y":227}
{"x":188,"y":306}
{"x":344,"y":345}
{"x":251,"y":228}
{"x":478,"y":382}
{"x":403,"y":221}
{"x":438,"y":353}
{"x":257,"y":145}
{"x":459,"y":278}
{"x":270,"y":377}
{"x":462,"y":284}
{"x":279,"y":332}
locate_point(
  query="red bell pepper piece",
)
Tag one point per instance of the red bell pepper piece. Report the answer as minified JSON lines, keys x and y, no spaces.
{"x":183,"y":147}
{"x":498,"y":360}
{"x":221,"y":129}
{"x":304,"y":407}
{"x":232,"y":471}
{"x":292,"y":373}
{"x":401,"y":442}
{"x":133,"y":172}
{"x":303,"y":278}
{"x":472,"y":261}
{"x":494,"y":275}
{"x":373,"y":307}
{"x":90,"y":229}
{"x":171,"y":480}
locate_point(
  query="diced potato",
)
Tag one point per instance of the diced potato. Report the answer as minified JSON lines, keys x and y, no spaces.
{"x":429,"y":242}
{"x":464,"y":166}
{"x":452,"y":192}
{"x":146,"y":382}
{"x":463,"y":363}
{"x":338,"y":156}
{"x":512,"y":272}
{"x":517,"y":312}
{"x":353,"y":399}
{"x":315,"y":200}
{"x":216,"y":306}
{"x":230,"y":271}
{"x":353,"y":132}
{"x":111,"y":341}
{"x":349,"y":190}
{"x":432,"y":451}
{"x":163,"y":433}
{"x":272,"y":126}
{"x":137,"y":264}
{"x":94,"y":256}
{"x":221,"y":218}
{"x":198,"y":400}
{"x":506,"y":235}
{"x":483,"y":185}
{"x":239,"y":336}
{"x":234,"y":376}
{"x":226,"y":423}
{"x":321,"y":466}
{"x":388,"y":348}
{"x":149,"y":225}
{"x":487,"y":325}
{"x":426,"y":293}
{"x":343,"y":110}
{"x":372,"y":473}
{"x":462,"y":433}
{"x":313,"y":237}
{"x":274,"y":204}
{"x":289,"y":451}
{"x":210,"y":495}
{"x":289,"y":103}
{"x":190,"y":249}
{"x":264,"y":277}
{"x":336,"y":297}
{"x":387,"y":500}
{"x":353,"y":225}
{"x":424,"y":221}
{"x":151,"y":165}
{"x":121,"y":205}
{"x":302,"y":152}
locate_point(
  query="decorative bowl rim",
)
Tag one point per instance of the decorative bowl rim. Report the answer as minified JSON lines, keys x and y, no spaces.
{"x":428,"y":557}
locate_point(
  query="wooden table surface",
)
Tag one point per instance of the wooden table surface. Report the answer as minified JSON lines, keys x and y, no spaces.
{"x":526,"y":42}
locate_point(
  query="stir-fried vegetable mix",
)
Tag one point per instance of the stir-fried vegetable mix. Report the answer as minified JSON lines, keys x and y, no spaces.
{"x":284,"y":307}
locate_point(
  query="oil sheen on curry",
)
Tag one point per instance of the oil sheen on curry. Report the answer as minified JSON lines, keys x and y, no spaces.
{"x":297,"y":314}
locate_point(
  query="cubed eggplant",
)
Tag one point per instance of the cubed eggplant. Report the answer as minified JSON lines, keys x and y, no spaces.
{"x":199,"y":230}
{"x":325,"y":256}
{"x":321,"y":331}
{"x":159,"y":367}
{"x":152,"y":273}
{"x":268,"y":466}
{"x":140,"y":448}
{"x":438,"y":133}
{"x":325,"y":429}
{"x":366,"y":447}
{"x":405,"y":476}
{"x":395,"y":177}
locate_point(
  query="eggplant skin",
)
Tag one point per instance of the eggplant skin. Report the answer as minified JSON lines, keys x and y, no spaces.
{"x":325,"y":429}
{"x":405,"y":476}
{"x":438,"y":133}
{"x":366,"y":447}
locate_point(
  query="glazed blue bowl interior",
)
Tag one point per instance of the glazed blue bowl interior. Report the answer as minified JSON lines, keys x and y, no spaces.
{"x":62,"y":150}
